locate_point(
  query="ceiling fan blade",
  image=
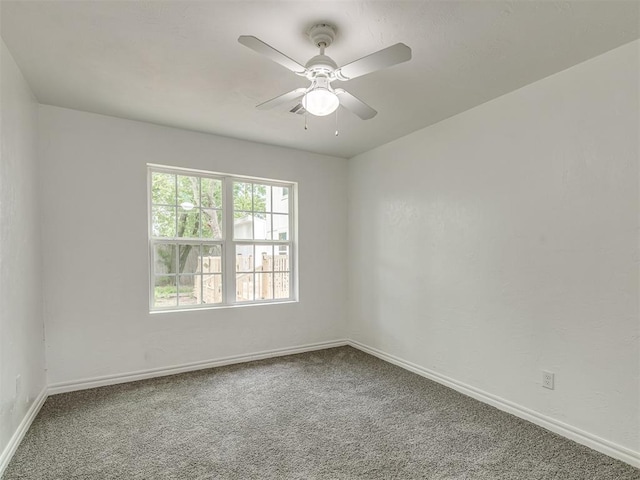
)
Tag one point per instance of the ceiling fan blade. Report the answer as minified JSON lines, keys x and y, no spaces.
{"x":259,"y":46}
{"x":354,"y":104}
{"x":281,"y":99}
{"x":387,"y":57}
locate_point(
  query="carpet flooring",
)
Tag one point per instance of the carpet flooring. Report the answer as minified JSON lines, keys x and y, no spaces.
{"x":331,"y":414}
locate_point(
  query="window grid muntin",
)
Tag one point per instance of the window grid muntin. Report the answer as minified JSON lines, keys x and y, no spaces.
{"x":228,"y":273}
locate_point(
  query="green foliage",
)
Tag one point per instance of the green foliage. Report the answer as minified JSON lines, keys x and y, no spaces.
{"x":167,"y":254}
{"x":163,"y":188}
{"x":250,"y":197}
{"x":211,"y":193}
{"x":168,"y":291}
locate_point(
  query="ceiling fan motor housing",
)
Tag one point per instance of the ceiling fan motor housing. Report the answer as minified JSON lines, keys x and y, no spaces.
{"x":321,"y":64}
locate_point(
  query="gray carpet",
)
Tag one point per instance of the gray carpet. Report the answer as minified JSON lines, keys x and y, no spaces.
{"x":332,"y":414}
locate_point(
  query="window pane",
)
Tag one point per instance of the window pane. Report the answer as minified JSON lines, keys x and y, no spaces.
{"x":164,"y":294}
{"x":244,"y":287}
{"x":188,"y":258}
{"x":211,"y":193}
{"x":264,"y":258}
{"x":262,"y":226}
{"x":189,"y":223}
{"x":212,"y":289}
{"x":261,"y":197}
{"x":281,"y":285}
{"x":244,"y":258}
{"x":281,"y":199}
{"x":269,"y":200}
{"x":187,"y":290}
{"x":242,"y":226}
{"x":280,"y":227}
{"x":163,"y":222}
{"x":281,"y":258}
{"x":211,"y":223}
{"x":242,"y":197}
{"x":188,"y":192}
{"x":163,"y":188}
{"x":264,"y":286}
{"x":211,"y":259}
{"x":164,"y":259}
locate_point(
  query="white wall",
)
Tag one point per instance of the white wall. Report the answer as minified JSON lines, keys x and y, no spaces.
{"x":94,"y":217}
{"x":21,"y":325}
{"x":504,"y":241}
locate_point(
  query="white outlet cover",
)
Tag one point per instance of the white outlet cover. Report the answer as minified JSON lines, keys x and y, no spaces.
{"x":548,"y":380}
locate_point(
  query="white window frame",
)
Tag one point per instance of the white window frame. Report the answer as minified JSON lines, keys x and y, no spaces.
{"x":228,"y":242}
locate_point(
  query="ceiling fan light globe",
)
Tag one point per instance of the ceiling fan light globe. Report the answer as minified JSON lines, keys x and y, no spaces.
{"x":320,"y":102}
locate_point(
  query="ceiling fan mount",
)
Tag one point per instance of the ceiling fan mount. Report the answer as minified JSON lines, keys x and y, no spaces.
{"x":322,"y":33}
{"x":320,"y":98}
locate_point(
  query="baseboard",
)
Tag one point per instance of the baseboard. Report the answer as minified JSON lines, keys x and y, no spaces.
{"x":22,"y":429}
{"x":580,"y":436}
{"x":102,"y":381}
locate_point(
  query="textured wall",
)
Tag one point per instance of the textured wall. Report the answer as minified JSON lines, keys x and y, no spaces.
{"x":21,"y":326}
{"x":504,"y":241}
{"x":95,"y":189}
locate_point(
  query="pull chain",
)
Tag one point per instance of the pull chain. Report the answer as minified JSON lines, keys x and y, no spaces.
{"x":337,"y":120}
{"x":306,"y":113}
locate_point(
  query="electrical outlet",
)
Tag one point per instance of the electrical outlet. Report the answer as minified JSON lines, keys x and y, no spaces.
{"x":548,"y":380}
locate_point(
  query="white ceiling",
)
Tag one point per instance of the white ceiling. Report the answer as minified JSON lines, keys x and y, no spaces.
{"x":178,"y":63}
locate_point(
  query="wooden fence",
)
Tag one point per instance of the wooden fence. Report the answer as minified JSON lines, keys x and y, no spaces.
{"x":269,"y":280}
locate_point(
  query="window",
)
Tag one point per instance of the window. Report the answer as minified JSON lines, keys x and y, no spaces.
{"x":216,"y":239}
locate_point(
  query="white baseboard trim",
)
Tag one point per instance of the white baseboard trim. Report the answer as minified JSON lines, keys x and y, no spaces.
{"x":94,"y":382}
{"x":580,"y":436}
{"x":18,"y":435}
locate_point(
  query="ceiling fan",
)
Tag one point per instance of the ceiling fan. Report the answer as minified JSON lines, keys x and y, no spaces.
{"x":320,"y":98}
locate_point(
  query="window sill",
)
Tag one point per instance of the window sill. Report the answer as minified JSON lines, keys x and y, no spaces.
{"x":221,"y":307}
